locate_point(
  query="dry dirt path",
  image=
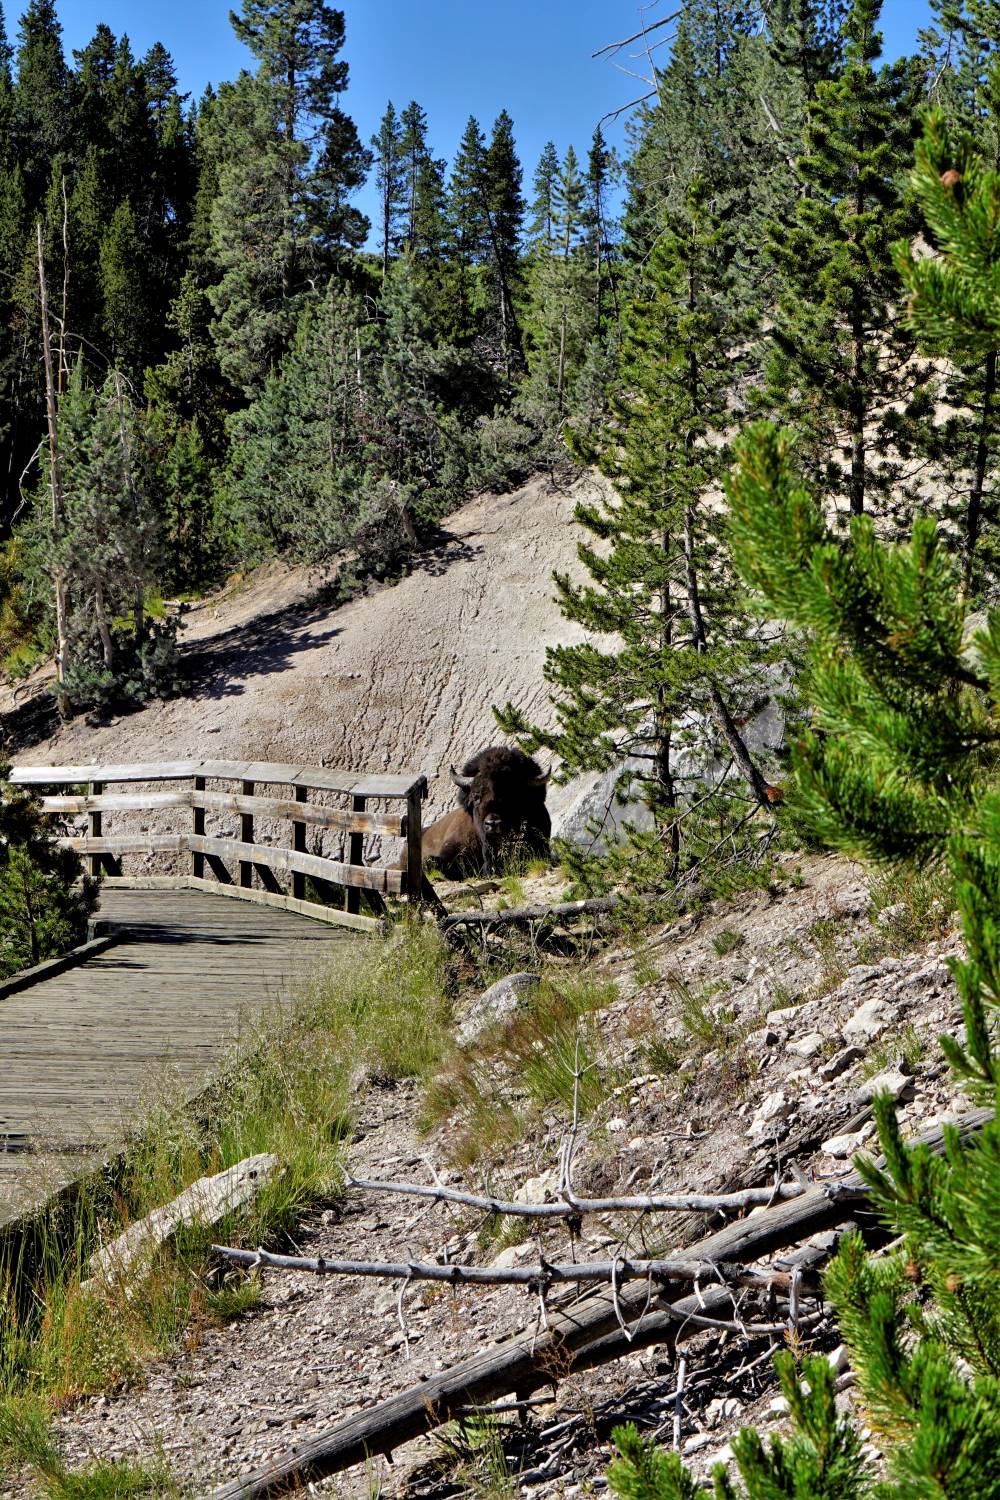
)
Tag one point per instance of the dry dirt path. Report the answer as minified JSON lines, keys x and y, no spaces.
{"x":315,"y":1350}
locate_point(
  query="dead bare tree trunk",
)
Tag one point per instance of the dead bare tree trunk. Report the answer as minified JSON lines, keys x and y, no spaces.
{"x":58,"y":506}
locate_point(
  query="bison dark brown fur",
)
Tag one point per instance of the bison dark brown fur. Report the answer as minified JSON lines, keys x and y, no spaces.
{"x":501,"y":811}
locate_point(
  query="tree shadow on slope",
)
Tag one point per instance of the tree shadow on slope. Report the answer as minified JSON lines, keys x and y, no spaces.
{"x":218,"y":666}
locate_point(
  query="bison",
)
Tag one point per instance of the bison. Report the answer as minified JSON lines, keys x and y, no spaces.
{"x":501,"y":795}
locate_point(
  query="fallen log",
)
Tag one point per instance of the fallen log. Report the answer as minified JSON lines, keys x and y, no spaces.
{"x":525,"y":915}
{"x":572,"y":1340}
{"x":206,"y":1202}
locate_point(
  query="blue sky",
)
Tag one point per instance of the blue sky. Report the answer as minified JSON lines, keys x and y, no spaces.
{"x":456,"y":57}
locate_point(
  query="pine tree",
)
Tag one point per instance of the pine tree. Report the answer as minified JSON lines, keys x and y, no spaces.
{"x":40,"y":101}
{"x":297,"y":453}
{"x":838,"y":348}
{"x":107,"y":544}
{"x":657,"y":581}
{"x":602,"y":177}
{"x":286,"y":157}
{"x":963,"y":440}
{"x":466,"y":211}
{"x":45,"y":899}
{"x":387,"y":148}
{"x":414,"y":153}
{"x":541,"y":228}
{"x":899,"y":765}
{"x":503,"y":205}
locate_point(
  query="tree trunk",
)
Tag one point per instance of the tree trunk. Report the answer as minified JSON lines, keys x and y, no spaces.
{"x":727,"y":724}
{"x":973,"y":517}
{"x":101,"y":620}
{"x":58,"y":506}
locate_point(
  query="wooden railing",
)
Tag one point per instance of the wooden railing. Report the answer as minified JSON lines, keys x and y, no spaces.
{"x":249,"y":859}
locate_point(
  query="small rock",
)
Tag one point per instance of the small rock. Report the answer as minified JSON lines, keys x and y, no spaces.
{"x":722,"y":1409}
{"x":868,"y":1021}
{"x":541,"y":1189}
{"x":514,"y":1255}
{"x":840,"y":1062}
{"x":779,"y":1405}
{"x":889,"y":1081}
{"x":616,"y":1125}
{"x":839,"y":1360}
{"x":841,"y":1146}
{"x":696,"y":1441}
{"x":786,"y":1014}
{"x":494,"y":1005}
{"x":808,"y":1045}
{"x":725,"y":1455}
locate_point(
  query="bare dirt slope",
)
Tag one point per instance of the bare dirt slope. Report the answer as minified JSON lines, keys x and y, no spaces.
{"x":401,"y":678}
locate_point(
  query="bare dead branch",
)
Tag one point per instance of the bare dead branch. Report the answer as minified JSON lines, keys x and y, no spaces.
{"x":613,"y":114}
{"x":610,"y":48}
{"x":543,"y":1274}
{"x":572,"y":1207}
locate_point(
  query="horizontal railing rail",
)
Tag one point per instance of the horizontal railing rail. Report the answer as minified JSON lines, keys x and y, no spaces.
{"x":253,"y":860}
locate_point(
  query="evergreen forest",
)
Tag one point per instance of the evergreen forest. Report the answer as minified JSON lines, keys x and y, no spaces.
{"x":242,"y":367}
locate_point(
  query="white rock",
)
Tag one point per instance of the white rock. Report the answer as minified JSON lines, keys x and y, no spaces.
{"x":889,"y":1081}
{"x":807,"y":1046}
{"x":786,"y":1014}
{"x":616,"y":1125}
{"x":839,"y":1360}
{"x":840,"y":1146}
{"x":779,"y":1405}
{"x":773,"y":1107}
{"x":868,"y":1021}
{"x":725,"y":1455}
{"x":494,"y":1005}
{"x":541,"y":1189}
{"x":722,"y":1409}
{"x":844,"y":1059}
{"x":696,"y":1441}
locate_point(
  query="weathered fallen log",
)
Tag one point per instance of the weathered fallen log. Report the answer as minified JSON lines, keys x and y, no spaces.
{"x":531,"y":1360}
{"x":535,"y":1277}
{"x":525,"y":915}
{"x":588,"y":1333}
{"x":571,"y":1207}
{"x":206,"y":1202}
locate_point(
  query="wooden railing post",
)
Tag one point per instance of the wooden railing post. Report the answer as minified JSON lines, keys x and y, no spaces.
{"x":246,"y":837}
{"x":96,"y":823}
{"x":415,"y":844}
{"x":299,"y":845}
{"x":198,"y":828}
{"x":356,"y":856}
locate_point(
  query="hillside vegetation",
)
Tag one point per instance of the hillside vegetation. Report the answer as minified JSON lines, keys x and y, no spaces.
{"x":755,"y":427}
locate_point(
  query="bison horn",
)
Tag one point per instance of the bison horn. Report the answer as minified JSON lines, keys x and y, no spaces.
{"x":463,"y":781}
{"x":542,"y":780}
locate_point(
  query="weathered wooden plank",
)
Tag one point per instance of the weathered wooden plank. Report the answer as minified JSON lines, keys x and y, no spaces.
{"x":142,"y":843}
{"x":55,"y":966}
{"x":293,"y":861}
{"x":320,"y":778}
{"x":116,"y":802}
{"x":334,"y":916}
{"x":301,"y":811}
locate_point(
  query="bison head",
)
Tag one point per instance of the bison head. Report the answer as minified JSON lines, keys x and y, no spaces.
{"x":503,"y":791}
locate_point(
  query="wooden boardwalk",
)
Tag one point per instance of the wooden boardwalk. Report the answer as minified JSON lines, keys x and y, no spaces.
{"x":83,"y":1050}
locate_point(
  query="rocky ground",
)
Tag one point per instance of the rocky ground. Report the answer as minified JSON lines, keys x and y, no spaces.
{"x":737,"y":1045}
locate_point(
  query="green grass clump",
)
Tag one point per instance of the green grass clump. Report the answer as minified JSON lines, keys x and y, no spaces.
{"x":492,"y":1093}
{"x":27,"y":1443}
{"x":727,"y":941}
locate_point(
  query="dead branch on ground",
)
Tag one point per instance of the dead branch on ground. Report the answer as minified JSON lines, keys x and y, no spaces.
{"x":572,"y":1207}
